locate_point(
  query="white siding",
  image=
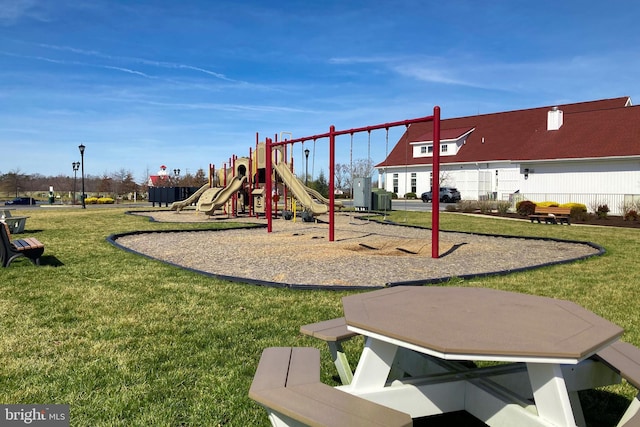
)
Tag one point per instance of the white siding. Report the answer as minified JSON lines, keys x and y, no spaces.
{"x":561,"y":181}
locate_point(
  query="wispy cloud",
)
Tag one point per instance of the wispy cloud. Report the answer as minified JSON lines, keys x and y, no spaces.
{"x":11,"y":11}
{"x":77,"y":63}
{"x":149,"y":62}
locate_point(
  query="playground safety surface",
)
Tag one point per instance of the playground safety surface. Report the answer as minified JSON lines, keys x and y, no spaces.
{"x":364,"y":253}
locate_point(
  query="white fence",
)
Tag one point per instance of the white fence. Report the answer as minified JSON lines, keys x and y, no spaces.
{"x":615,"y":202}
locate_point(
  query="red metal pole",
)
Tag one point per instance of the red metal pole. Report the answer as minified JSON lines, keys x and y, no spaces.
{"x":435,"y":187}
{"x":250,"y":182}
{"x":267,"y":187}
{"x":332,"y":161}
{"x":234,"y":196}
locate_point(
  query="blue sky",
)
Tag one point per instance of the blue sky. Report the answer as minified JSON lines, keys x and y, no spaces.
{"x":188,"y":83}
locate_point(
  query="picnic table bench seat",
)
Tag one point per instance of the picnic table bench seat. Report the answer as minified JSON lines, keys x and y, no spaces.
{"x":334,"y":332}
{"x":287,"y":383}
{"x":28,"y":247}
{"x":551,"y":215}
{"x":624,"y":358}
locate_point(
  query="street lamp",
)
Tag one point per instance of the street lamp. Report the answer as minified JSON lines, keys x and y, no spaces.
{"x":306,"y":168}
{"x":76,"y":166}
{"x":81,"y":148}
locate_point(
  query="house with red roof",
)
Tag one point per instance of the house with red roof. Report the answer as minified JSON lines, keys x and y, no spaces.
{"x":587,"y":152}
{"x":160,"y":179}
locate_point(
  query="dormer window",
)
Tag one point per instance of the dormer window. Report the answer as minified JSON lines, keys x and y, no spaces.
{"x":451,"y":141}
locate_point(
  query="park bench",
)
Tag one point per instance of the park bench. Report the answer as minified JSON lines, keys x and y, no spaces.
{"x":624,"y":358}
{"x":551,"y":215}
{"x":287,"y":383}
{"x":10,"y":250}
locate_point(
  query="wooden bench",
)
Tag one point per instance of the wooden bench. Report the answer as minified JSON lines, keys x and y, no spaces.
{"x":10,"y":250}
{"x":287,"y":383}
{"x":551,"y":215}
{"x":624,"y":358}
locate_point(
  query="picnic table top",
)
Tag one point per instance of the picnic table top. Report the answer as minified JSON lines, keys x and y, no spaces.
{"x":480,"y":324}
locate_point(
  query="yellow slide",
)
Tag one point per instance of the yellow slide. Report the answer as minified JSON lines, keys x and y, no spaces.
{"x":299,"y":190}
{"x":209,"y":204}
{"x":178,"y":206}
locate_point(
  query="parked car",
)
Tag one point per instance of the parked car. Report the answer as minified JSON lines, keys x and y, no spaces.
{"x":21,"y":201}
{"x":447,"y":195}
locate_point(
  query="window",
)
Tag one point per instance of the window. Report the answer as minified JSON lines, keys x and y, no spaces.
{"x":414,"y":182}
{"x":430,"y":148}
{"x":423,"y":150}
{"x":443,"y":148}
{"x":395,"y":183}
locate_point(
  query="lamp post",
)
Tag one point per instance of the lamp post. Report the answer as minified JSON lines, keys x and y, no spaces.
{"x":76,"y":166}
{"x":306,"y":168}
{"x":81,"y":148}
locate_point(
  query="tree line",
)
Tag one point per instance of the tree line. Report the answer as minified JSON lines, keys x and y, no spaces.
{"x":122,"y":185}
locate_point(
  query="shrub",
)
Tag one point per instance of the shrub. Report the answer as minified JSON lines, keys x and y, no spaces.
{"x":547,"y":204}
{"x":579,"y":213}
{"x":632,"y":215}
{"x":594,"y":205}
{"x":467,"y":206}
{"x":626,"y":207}
{"x":451,"y":208}
{"x":573,"y":205}
{"x":410,"y":196}
{"x":91,"y":200}
{"x":602,"y":211}
{"x":503,"y":207}
{"x":525,"y":208}
{"x":485,"y":206}
{"x":105,"y":201}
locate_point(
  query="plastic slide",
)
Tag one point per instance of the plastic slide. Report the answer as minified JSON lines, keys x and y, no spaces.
{"x":221,"y":197}
{"x":299,"y":190}
{"x":178,"y":206}
{"x":314,"y":193}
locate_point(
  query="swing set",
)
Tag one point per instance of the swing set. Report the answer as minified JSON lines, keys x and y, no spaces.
{"x":332,"y":134}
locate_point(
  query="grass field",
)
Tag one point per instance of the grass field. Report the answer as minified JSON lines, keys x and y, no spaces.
{"x":128,"y":341}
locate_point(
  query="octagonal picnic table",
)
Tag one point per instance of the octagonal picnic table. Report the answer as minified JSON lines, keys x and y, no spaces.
{"x":542,"y":347}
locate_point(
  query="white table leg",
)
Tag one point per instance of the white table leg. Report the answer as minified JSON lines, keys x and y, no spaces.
{"x":374,"y":365}
{"x":550,"y":394}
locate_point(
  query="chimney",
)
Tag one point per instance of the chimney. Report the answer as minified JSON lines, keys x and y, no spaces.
{"x":554,"y":119}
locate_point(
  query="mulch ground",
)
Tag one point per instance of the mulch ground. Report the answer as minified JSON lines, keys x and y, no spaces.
{"x":365,"y":254}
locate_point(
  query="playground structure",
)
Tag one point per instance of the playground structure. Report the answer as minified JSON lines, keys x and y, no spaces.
{"x":238,"y":190}
{"x":270,"y":156}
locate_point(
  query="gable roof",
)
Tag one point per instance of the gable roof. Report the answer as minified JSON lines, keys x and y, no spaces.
{"x":594,"y":129}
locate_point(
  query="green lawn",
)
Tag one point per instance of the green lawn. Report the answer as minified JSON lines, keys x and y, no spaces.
{"x":127,"y":341}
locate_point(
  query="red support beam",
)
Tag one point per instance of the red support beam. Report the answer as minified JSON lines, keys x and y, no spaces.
{"x":332,"y":161}
{"x":268,"y":184}
{"x":435,"y":186}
